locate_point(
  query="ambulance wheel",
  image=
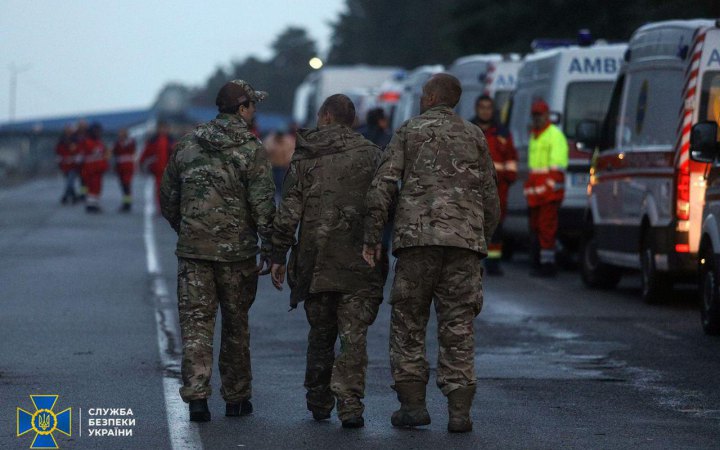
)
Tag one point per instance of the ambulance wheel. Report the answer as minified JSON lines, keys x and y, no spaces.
{"x":596,"y":274}
{"x":709,"y":293}
{"x":656,"y":285}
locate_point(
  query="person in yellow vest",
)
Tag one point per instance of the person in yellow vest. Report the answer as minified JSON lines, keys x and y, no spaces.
{"x":545,"y":186}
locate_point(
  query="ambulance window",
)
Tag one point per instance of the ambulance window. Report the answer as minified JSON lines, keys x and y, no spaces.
{"x":586,"y":100}
{"x":710,"y":100}
{"x":608,"y":134}
{"x":651,"y":113}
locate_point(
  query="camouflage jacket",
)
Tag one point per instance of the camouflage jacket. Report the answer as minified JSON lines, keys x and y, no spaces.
{"x":439,"y":168}
{"x":324,"y":192}
{"x":217,"y":192}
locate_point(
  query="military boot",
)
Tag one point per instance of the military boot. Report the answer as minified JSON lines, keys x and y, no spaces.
{"x":459,"y":403}
{"x":238,"y":409}
{"x":412,"y":412}
{"x":199,"y":411}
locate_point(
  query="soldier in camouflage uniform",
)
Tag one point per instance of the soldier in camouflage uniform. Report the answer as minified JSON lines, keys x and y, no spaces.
{"x":447,"y":210}
{"x":324,"y":192}
{"x":217,"y":193}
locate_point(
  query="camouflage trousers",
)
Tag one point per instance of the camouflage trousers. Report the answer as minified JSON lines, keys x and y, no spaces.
{"x":202,"y":286}
{"x":452,"y":278}
{"x":348,"y":315}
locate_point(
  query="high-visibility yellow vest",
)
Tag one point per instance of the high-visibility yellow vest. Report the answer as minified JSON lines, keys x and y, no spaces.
{"x":548,"y":151}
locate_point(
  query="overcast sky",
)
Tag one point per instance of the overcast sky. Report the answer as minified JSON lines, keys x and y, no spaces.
{"x":104,"y":55}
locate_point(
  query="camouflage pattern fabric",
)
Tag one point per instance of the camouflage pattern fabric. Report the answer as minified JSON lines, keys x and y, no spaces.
{"x":202,"y":285}
{"x":324,"y":192}
{"x":452,"y":278}
{"x":217,"y":192}
{"x":348,"y":315}
{"x":255,"y":96}
{"x":448,"y":194}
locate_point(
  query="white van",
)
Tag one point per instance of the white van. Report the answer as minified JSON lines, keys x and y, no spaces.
{"x":330,"y":80}
{"x":576,"y":82}
{"x":491,"y":74}
{"x":646,"y":196}
{"x":409,"y":104}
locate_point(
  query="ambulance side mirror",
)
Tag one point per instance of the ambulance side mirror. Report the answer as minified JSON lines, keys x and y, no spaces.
{"x":704,"y":142}
{"x":587,"y":132}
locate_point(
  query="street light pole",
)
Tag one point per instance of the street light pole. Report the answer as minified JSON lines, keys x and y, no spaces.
{"x":14,"y":71}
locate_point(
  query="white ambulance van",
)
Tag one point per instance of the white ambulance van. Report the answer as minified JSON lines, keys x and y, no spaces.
{"x":491,"y":74}
{"x":409,"y":104}
{"x":646,"y":195}
{"x":330,"y":80}
{"x":705,"y":149}
{"x":576,"y":82}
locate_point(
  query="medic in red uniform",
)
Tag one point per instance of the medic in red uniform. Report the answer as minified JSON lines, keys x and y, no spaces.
{"x":67,"y":156}
{"x":545,"y":186}
{"x":504,"y":156}
{"x":157,"y":154}
{"x":94,"y":165}
{"x":124,"y":155}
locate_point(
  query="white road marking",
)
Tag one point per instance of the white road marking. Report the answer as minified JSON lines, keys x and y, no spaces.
{"x":183,"y":433}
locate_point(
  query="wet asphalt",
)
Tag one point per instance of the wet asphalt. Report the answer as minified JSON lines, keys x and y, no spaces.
{"x":558,"y":366}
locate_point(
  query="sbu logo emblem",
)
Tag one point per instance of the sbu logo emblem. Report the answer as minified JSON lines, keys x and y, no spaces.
{"x":44,"y":422}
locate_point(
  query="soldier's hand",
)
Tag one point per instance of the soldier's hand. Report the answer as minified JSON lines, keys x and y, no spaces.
{"x":371,"y":254}
{"x":278,"y":276}
{"x":263,"y":267}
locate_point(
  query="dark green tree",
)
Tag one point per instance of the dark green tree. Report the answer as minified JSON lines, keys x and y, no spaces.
{"x":280,"y":75}
{"x":485,"y":26}
{"x":402,"y":33}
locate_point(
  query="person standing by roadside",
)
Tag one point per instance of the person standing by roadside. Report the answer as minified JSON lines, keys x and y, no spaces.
{"x":77,"y":144}
{"x":324,"y":193}
{"x":157,"y":153}
{"x":95,"y":158}
{"x":217,"y":194}
{"x":504,"y":156}
{"x":124,"y":154}
{"x":447,"y":211}
{"x":377,"y":128}
{"x":545,"y":187}
{"x":68,"y":161}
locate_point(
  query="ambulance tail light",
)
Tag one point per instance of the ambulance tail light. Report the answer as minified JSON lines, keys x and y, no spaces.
{"x":682,"y":205}
{"x":389,"y":96}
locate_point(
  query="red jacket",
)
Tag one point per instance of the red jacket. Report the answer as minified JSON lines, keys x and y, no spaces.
{"x":157,"y":153}
{"x":124,"y":153}
{"x":505,"y":157}
{"x":66,"y":155}
{"x":94,"y":158}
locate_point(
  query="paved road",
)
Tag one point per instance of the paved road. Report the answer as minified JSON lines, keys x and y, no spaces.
{"x":558,"y":366}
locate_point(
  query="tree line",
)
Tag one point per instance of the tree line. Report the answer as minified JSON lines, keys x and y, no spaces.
{"x":408,"y":33}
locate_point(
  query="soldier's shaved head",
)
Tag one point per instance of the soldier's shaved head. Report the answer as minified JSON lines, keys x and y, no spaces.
{"x":442,"y":89}
{"x":339,"y":108}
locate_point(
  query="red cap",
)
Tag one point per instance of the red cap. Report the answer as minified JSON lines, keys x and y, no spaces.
{"x":539,"y":107}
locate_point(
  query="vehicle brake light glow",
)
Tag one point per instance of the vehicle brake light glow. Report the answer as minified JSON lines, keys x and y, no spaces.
{"x":682,"y":248}
{"x":683,"y":193}
{"x":389,"y":96}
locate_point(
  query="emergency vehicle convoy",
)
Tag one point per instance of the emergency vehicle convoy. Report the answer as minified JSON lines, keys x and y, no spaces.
{"x":576,"y":82}
{"x":491,"y":74}
{"x":646,"y":194}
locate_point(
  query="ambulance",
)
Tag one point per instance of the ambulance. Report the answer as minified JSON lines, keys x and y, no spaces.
{"x":576,"y":81}
{"x":705,"y":149}
{"x":409,"y":103}
{"x":646,"y":194}
{"x":491,"y":74}
{"x":330,"y":80}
